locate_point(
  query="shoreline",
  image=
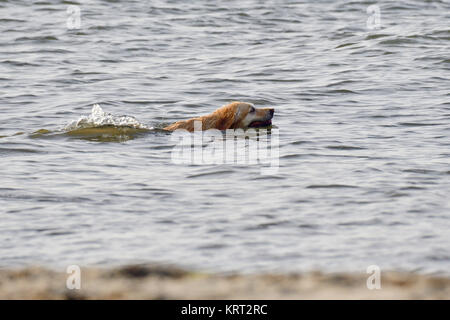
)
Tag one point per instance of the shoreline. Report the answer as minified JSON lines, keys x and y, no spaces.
{"x":148,"y":281}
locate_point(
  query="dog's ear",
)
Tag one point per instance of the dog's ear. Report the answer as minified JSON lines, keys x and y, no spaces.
{"x":227,"y":119}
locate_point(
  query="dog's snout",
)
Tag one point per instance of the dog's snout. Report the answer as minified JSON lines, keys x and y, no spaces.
{"x":271,"y":111}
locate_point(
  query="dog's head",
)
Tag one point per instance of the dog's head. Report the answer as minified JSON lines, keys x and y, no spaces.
{"x":242,"y":115}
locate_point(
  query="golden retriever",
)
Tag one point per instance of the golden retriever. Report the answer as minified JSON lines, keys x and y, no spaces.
{"x":236,"y":115}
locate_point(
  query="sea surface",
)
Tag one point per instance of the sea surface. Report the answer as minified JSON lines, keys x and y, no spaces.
{"x":361,"y":91}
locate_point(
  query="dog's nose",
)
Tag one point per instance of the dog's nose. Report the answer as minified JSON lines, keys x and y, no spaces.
{"x":271,"y":111}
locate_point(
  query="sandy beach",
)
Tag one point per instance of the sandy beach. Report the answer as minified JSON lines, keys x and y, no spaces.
{"x":166,"y":282}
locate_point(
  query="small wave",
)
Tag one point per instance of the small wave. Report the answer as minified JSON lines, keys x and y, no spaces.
{"x":37,"y":38}
{"x":98,"y":118}
{"x":99,"y":126}
{"x":19,"y":63}
{"x":16,"y":151}
{"x":105,"y":127}
{"x":320,"y":186}
{"x":398,"y":41}
{"x":345,"y":148}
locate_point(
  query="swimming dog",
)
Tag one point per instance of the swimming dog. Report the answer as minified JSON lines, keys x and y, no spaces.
{"x":236,"y":115}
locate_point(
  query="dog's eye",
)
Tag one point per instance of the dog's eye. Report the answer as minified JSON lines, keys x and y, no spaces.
{"x":252,"y":109}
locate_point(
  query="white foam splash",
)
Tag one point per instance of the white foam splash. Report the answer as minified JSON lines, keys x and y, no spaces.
{"x":99,"y":118}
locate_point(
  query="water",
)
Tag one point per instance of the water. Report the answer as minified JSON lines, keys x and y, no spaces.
{"x":363,"y":116}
